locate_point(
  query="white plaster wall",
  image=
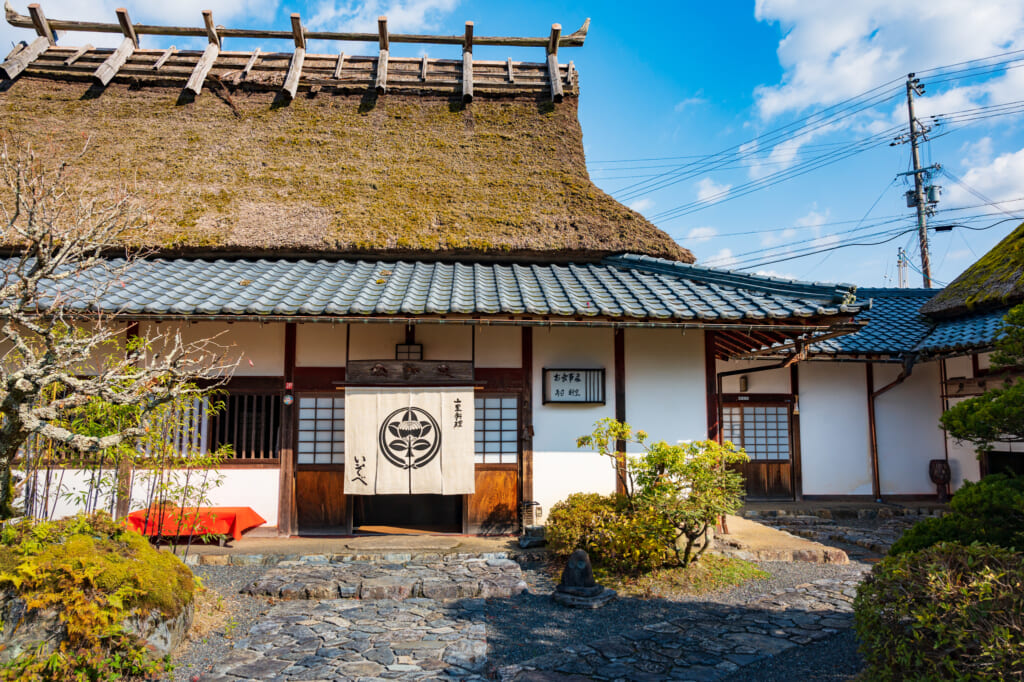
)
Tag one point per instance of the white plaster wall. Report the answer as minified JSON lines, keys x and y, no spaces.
{"x":959,"y":367}
{"x":984,"y":360}
{"x":666,"y":393}
{"x":771,"y":381}
{"x":256,"y":488}
{"x":445,"y":341}
{"x":66,"y":487}
{"x":963,"y":457}
{"x":907,"y":428}
{"x":320,"y":345}
{"x":559,"y":468}
{"x":375,"y":341}
{"x":260,"y":346}
{"x":834,"y":440}
{"x":499,"y":347}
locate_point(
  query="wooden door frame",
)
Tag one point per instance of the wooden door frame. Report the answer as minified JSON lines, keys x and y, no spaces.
{"x":792,"y":423}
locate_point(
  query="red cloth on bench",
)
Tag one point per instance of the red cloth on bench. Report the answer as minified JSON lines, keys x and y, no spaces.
{"x":231,"y":521}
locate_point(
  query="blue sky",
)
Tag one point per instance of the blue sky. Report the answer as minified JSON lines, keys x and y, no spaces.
{"x":665,"y":85}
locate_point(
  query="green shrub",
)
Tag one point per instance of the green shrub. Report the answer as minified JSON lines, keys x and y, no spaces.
{"x":615,"y":538}
{"x":949,"y":612}
{"x":990,"y":511}
{"x":97,"y":574}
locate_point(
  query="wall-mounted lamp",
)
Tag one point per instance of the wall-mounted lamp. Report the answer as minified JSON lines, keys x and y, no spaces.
{"x":744,"y":383}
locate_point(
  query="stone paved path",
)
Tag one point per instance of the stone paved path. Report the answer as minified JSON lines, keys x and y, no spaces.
{"x":411,"y":637}
{"x":705,"y":642}
{"x":345,"y":639}
{"x":876,"y":536}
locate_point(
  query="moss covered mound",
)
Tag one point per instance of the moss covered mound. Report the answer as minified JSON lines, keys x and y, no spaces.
{"x":331,"y":173}
{"x":995,"y":281}
{"x":80,"y":599}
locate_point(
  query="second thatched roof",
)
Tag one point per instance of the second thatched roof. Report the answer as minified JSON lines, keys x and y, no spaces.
{"x":996,"y":280}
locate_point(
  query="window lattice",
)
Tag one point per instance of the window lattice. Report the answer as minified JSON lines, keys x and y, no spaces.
{"x":321,"y":431}
{"x":250,"y":423}
{"x":497,"y":430}
{"x":761,"y":430}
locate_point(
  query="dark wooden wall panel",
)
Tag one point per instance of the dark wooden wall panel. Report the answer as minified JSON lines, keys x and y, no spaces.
{"x":492,"y":508}
{"x":320,"y":498}
{"x":768,"y":479}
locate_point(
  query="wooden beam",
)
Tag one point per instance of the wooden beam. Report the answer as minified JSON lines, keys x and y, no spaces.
{"x":555,"y":76}
{"x":556,"y":34}
{"x":794,"y":436}
{"x":511,"y":73}
{"x":382,"y":33}
{"x":19,"y":62}
{"x":382,"y":73}
{"x":108,"y":69}
{"x":21,"y":45}
{"x":164,"y":57}
{"x":203,"y":66}
{"x":287,"y":513}
{"x":573,"y":40}
{"x":711,"y":383}
{"x":126,"y":26}
{"x":298,"y":33}
{"x":467,"y":46}
{"x":78,"y":54}
{"x":467,"y":76}
{"x":619,"y":351}
{"x":423,"y":68}
{"x":291,"y":79}
{"x":211,"y":31}
{"x":251,"y":63}
{"x":339,"y":66}
{"x":526,"y":439}
{"x":40,"y":23}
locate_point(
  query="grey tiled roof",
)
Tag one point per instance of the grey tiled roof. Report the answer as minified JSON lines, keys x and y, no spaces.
{"x":894,"y":324}
{"x":964,"y":333}
{"x":619,"y":287}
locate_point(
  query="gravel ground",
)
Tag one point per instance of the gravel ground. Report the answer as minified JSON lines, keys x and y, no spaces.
{"x":243,"y":611}
{"x":532,"y":624}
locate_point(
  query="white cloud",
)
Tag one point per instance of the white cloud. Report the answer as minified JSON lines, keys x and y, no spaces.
{"x":999,"y":180}
{"x":832,"y":51}
{"x":773,"y":238}
{"x":976,"y":153}
{"x":641,"y":205}
{"x":775,"y":273}
{"x":688,"y":102}
{"x":234,"y":13}
{"x":722,"y":259}
{"x":710,"y":191}
{"x":826,"y":241}
{"x":404,"y":16}
{"x":814,"y":219}
{"x":701,"y":234}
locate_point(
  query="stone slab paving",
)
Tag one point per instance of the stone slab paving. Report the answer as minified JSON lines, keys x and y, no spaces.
{"x":877,"y":536}
{"x":707,"y":641}
{"x":345,"y":639}
{"x":450,"y":577}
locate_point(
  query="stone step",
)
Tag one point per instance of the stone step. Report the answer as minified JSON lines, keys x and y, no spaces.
{"x":466,"y":578}
{"x":235,"y":559}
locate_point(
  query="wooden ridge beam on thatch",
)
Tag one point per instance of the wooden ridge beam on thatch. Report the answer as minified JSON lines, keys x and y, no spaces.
{"x":467,"y":64}
{"x":575,"y":39}
{"x":20,"y":61}
{"x":554,"y":73}
{"x":205,"y":63}
{"x":291,"y":79}
{"x":109,"y":68}
{"x":40,"y":23}
{"x":381,"y":82}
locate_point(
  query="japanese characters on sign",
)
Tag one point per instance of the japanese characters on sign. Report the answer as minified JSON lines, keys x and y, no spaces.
{"x":574,"y":386}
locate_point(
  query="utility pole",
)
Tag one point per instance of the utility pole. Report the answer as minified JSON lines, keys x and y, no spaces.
{"x":914,"y":87}
{"x":901,"y":267}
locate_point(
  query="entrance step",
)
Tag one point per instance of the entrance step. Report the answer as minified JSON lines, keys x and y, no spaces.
{"x":447,"y":578}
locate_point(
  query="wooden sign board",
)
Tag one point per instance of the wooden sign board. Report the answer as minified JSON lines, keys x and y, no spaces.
{"x":580,"y":386}
{"x":416,"y":372}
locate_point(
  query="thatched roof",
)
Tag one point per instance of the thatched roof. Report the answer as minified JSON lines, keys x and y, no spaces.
{"x":995,"y":281}
{"x":336,"y":171}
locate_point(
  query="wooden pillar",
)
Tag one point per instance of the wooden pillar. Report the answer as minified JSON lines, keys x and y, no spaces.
{"x":711,"y":381}
{"x":620,"y":407}
{"x":526,"y":472}
{"x":794,"y":436}
{"x":122,"y":504}
{"x":287,"y":517}
{"x":873,"y":443}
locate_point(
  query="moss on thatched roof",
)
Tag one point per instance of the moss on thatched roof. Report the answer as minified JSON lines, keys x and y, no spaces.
{"x":995,"y":281}
{"x":402,"y":175}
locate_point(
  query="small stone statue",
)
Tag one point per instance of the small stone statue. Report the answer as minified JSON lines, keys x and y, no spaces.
{"x":578,"y":587}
